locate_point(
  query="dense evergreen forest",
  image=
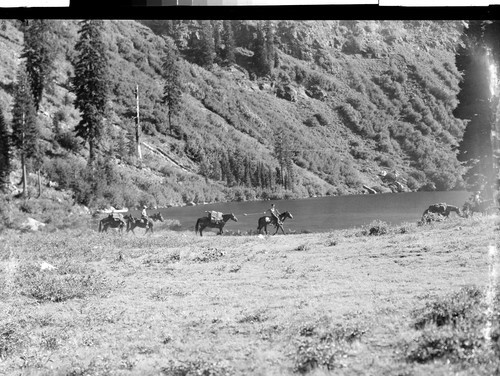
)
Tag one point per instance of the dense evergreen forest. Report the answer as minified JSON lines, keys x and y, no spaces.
{"x":159,"y":113}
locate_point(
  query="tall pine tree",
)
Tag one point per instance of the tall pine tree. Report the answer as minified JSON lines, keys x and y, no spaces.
{"x":25,"y":132}
{"x":4,"y":154}
{"x":227,"y":52}
{"x":204,"y":47}
{"x":172,"y":90}
{"x":260,"y":60}
{"x":90,"y":84}
{"x":39,"y":55}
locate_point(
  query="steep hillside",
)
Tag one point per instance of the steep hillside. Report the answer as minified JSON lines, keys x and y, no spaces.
{"x":350,"y":104}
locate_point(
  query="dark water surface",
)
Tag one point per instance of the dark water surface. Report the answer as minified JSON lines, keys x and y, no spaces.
{"x":324,"y":213}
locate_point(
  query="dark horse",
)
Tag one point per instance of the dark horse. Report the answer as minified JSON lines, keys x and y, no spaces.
{"x":138,"y":222}
{"x":482,"y":207}
{"x":441,"y":209}
{"x":267,"y":220}
{"x":113,"y":222}
{"x":203,"y":222}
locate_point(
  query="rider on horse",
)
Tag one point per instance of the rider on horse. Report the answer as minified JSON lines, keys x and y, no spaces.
{"x":274,"y":214}
{"x":144,"y":214}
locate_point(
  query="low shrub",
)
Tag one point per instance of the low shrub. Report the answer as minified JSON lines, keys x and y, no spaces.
{"x":58,"y":285}
{"x":377,"y":228}
{"x":209,"y":255}
{"x":450,"y":309}
{"x":311,"y":354}
{"x":11,"y":337}
{"x":452,"y":329}
{"x":195,"y":368}
{"x":325,"y":344}
{"x":257,"y":316}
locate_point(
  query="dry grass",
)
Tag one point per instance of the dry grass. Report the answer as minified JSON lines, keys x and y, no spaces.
{"x":175,"y":304}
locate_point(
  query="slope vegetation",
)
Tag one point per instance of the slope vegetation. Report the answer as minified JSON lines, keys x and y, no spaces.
{"x":353,"y":104}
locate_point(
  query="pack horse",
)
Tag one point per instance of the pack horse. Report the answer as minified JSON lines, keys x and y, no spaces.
{"x":213,"y":220}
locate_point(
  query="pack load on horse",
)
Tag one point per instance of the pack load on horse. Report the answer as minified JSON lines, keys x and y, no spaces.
{"x":207,"y":221}
{"x":440,"y":211}
{"x":214,"y":216}
{"x":139,"y":222}
{"x":273,"y":220}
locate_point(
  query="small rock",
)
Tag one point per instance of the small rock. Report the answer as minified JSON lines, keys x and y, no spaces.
{"x":46,"y":266}
{"x":32,"y":225}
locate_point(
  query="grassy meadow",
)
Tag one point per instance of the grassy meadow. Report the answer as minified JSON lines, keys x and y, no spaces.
{"x":408,"y":300}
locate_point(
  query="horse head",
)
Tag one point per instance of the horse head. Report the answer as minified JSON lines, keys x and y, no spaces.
{"x":233,"y":217}
{"x":287,"y":214}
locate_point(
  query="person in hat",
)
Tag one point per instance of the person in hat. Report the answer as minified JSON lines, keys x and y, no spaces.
{"x":144,"y":214}
{"x":274,"y":214}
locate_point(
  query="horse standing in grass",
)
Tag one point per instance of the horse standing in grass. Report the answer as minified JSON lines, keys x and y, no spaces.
{"x":204,"y":222}
{"x":442,"y":210}
{"x":113,"y":222}
{"x":267,"y":220}
{"x":136,"y":222}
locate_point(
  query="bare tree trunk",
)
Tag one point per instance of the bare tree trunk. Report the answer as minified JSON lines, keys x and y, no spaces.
{"x":170,"y":122}
{"x":25,"y":178}
{"x":23,"y":162}
{"x":137,"y":124}
{"x":39,"y":184}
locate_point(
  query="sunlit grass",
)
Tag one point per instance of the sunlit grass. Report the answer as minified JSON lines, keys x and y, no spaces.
{"x":342,"y":302}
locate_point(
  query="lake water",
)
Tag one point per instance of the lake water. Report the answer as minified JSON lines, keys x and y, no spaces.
{"x":324,"y":213}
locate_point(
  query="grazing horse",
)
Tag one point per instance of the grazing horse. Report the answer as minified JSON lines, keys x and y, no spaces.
{"x":441,"y":209}
{"x":113,"y":222}
{"x":203,"y":222}
{"x":482,"y":207}
{"x":138,"y":222}
{"x":266,"y":220}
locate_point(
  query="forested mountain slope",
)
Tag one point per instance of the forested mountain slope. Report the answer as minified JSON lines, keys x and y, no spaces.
{"x":299,"y":109}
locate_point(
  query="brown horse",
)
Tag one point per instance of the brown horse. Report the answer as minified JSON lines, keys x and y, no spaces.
{"x":113,"y":222}
{"x":482,"y":207}
{"x":138,"y":222}
{"x":441,"y":209}
{"x":204,"y":222}
{"x":267,"y":220}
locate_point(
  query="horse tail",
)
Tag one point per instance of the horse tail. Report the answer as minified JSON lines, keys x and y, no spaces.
{"x":196,"y":227}
{"x":100,"y":224}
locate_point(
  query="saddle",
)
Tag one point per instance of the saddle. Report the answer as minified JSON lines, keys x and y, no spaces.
{"x":214,"y":216}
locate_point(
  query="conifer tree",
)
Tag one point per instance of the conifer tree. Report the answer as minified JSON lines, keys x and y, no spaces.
{"x":227,"y":53}
{"x":90,"y":85}
{"x":39,"y":55}
{"x":260,"y":60}
{"x":247,"y":178}
{"x":216,"y":169}
{"x":204,"y":49}
{"x":270,"y":48}
{"x":25,"y":132}
{"x":4,"y":154}
{"x":172,"y":88}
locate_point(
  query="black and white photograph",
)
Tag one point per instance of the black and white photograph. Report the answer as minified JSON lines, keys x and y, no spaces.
{"x":249,"y":192}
